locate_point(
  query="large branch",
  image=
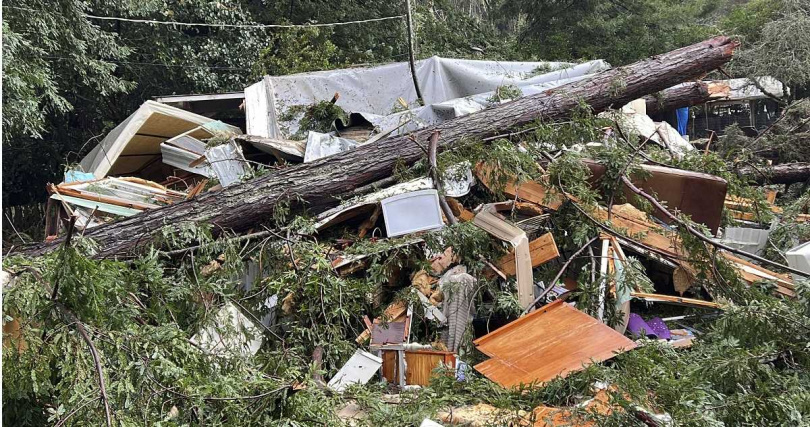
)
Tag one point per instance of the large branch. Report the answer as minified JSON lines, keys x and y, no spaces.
{"x":686,"y":95}
{"x":319,"y":184}
{"x":787,"y":173}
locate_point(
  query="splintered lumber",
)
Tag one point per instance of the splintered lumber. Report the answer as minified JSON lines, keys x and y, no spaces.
{"x":675,"y":300}
{"x":787,"y":173}
{"x":686,"y":95}
{"x":489,"y":220}
{"x":554,"y":340}
{"x":318,"y":185}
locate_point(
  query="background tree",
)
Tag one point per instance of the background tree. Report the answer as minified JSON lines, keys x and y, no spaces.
{"x":776,"y":36}
{"x":619,"y":31}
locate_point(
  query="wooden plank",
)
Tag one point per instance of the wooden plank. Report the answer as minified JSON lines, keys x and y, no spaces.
{"x":529,"y":191}
{"x":106,"y":199}
{"x":554,"y":340}
{"x":752,"y":273}
{"x":542,"y":250}
{"x":675,"y":300}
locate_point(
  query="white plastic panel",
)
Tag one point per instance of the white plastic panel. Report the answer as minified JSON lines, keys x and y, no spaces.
{"x":357,"y":370}
{"x":799,"y":258}
{"x":412,"y":212}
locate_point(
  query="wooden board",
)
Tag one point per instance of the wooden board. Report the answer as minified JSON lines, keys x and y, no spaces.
{"x":554,"y":340}
{"x":530,"y":191}
{"x":675,"y":300}
{"x":542,"y":250}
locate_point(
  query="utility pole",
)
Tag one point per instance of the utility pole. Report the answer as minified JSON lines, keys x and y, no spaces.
{"x":411,"y":37}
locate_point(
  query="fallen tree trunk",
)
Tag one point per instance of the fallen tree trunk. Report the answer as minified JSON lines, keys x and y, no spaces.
{"x":787,"y":173}
{"x":317,"y":186}
{"x":686,"y":95}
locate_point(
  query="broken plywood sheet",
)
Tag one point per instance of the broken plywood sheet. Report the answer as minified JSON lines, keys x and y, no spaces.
{"x":530,"y":191}
{"x":554,"y":340}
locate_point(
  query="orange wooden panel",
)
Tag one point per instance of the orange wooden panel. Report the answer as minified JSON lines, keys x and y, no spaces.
{"x":531,"y":191}
{"x":555,"y":340}
{"x":542,"y":250}
{"x":389,"y":366}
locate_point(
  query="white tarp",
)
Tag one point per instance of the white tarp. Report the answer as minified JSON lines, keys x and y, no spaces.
{"x":228,"y":163}
{"x":324,"y":145}
{"x":373,"y":91}
{"x":745,"y":90}
{"x":242,"y":337}
{"x":135,"y":143}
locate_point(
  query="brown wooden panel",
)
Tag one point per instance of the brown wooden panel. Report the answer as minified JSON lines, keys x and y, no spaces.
{"x":542,"y":250}
{"x":555,"y":340}
{"x":389,"y":365}
{"x":419,"y":365}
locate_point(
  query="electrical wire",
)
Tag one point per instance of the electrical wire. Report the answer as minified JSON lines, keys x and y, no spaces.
{"x":215,"y":25}
{"x":259,"y":26}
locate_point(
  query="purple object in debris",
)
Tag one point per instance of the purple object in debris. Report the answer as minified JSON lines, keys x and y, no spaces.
{"x":660,"y":328}
{"x":638,"y":327}
{"x":392,"y":333}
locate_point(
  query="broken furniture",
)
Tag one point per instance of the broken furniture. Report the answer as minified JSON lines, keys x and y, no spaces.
{"x":412,"y":212}
{"x":698,"y":195}
{"x":555,"y":340}
{"x":407,"y":207}
{"x":404,"y":365}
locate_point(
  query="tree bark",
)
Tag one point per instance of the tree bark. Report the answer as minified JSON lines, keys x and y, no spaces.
{"x":685,"y":95}
{"x":316,"y":186}
{"x":787,"y":173}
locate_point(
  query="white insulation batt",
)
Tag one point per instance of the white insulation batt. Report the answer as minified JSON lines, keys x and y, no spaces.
{"x":450,"y":87}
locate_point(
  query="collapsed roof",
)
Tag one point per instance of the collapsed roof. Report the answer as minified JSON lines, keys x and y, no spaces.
{"x":133,"y":147}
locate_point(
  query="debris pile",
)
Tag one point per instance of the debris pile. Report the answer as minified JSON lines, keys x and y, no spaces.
{"x":501,"y":253}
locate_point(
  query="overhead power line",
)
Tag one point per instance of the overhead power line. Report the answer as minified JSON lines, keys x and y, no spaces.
{"x":203,"y":24}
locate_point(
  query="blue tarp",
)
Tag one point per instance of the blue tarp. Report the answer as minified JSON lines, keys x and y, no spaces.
{"x":683,"y":119}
